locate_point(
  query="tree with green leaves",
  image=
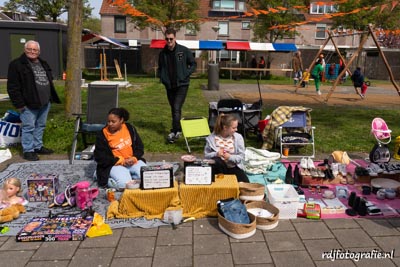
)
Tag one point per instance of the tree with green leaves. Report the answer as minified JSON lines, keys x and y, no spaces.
{"x":162,"y":14}
{"x":44,"y":9}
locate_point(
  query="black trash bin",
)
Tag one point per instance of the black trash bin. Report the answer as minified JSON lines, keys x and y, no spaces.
{"x":213,"y":77}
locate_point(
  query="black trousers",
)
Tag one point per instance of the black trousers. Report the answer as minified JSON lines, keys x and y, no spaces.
{"x":176,"y":98}
{"x":221,"y":167}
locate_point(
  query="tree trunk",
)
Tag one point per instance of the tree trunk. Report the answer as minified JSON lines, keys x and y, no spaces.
{"x":74,"y":52}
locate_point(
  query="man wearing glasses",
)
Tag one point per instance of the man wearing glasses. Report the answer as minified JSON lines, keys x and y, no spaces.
{"x":30,"y":87}
{"x":175,"y":65}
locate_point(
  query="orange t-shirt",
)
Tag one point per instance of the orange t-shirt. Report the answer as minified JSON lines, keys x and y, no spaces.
{"x":120,"y":142}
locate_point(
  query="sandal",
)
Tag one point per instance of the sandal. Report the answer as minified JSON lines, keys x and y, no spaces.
{"x":314,"y":173}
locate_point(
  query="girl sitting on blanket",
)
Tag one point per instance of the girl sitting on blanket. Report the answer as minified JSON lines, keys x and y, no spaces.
{"x":118,"y":151}
{"x":226,"y":147}
{"x":9,"y":195}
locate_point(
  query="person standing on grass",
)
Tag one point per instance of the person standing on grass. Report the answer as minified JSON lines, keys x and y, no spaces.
{"x":358,"y":81}
{"x":226,"y":147}
{"x":316,"y":74}
{"x":31,"y":89}
{"x":175,"y":65}
{"x":297,"y":64}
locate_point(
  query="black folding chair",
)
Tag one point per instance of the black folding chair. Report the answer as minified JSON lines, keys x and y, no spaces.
{"x":100,"y":99}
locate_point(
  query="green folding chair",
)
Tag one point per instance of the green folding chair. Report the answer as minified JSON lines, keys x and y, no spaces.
{"x":194,"y":128}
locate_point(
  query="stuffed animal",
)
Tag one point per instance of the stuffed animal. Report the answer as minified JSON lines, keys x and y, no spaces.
{"x":12,"y":212}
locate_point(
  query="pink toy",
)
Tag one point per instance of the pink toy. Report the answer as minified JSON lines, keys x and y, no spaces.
{"x":381,"y":131}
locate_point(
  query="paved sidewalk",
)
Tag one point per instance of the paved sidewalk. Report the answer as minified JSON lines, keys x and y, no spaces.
{"x":298,"y":242}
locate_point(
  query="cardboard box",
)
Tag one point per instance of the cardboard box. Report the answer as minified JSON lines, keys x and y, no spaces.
{"x":42,"y":187}
{"x":156,"y":176}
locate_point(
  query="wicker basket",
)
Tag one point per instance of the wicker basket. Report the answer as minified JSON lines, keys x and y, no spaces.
{"x":262,"y":222}
{"x":237,"y":230}
{"x":251,"y":191}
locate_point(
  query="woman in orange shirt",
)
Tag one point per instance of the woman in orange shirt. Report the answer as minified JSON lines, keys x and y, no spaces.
{"x":118,"y":151}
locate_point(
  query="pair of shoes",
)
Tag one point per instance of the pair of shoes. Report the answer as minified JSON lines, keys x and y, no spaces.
{"x":31,"y":156}
{"x":304,"y":163}
{"x":362,"y":96}
{"x":319,"y":92}
{"x":44,"y":151}
{"x":310,"y":163}
{"x":172,"y":137}
{"x":289,"y":176}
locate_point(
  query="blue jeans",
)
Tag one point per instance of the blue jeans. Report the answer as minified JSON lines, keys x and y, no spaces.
{"x":176,"y":98}
{"x":33,"y":124}
{"x":120,"y":175}
{"x":234,"y":211}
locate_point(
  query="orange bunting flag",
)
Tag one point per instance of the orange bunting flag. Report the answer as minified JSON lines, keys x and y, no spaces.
{"x":382,"y":8}
{"x":394,"y":4}
{"x":273,"y":10}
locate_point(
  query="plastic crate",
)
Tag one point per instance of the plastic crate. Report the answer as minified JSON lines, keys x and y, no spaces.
{"x":285,"y":198}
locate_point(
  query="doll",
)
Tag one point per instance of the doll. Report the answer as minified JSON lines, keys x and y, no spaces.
{"x":12,"y":187}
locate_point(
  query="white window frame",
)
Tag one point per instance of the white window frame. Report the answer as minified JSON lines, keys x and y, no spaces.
{"x":319,"y":32}
{"x":246,"y":25}
{"x":223,"y":28}
{"x":322,"y":9}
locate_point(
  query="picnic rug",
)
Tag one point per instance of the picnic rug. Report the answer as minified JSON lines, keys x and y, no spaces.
{"x":68,"y":175}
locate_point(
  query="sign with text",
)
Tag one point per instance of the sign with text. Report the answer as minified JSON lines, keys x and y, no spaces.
{"x":198,"y":175}
{"x":155,"y":177}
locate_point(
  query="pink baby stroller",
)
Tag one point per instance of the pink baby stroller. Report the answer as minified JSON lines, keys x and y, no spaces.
{"x":381,"y":131}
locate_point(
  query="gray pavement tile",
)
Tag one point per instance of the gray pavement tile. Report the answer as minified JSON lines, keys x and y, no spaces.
{"x":283,"y":241}
{"x":137,"y":231}
{"x":15,"y":258}
{"x":92,"y":257}
{"x":11,"y":244}
{"x":102,"y":241}
{"x":341,"y":263}
{"x":255,"y":265}
{"x":3,"y":239}
{"x":257,"y":237}
{"x":317,"y":247}
{"x":135,"y":247}
{"x":366,"y":262}
{"x":132,"y":262}
{"x":210,"y":244}
{"x":206,"y":226}
{"x":394,"y":221}
{"x":349,"y":238}
{"x":341,"y":223}
{"x":173,"y":256}
{"x":216,"y":260}
{"x":54,"y":263}
{"x":313,"y":230}
{"x":389,"y":243}
{"x":169,"y":236}
{"x":396,"y":261}
{"x":63,"y":250}
{"x":283,"y":226}
{"x":250,"y":253}
{"x":378,"y":227}
{"x":292,"y":258}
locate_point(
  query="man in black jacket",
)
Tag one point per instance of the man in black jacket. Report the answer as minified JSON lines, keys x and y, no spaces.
{"x":31,"y":89}
{"x":175,"y":65}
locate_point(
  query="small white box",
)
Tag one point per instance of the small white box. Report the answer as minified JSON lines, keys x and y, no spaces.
{"x":285,"y":198}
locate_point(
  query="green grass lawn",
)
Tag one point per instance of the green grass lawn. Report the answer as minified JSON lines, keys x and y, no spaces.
{"x":337,"y":127}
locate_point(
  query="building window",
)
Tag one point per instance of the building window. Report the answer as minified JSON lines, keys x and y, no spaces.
{"x":224,"y":5}
{"x":223,"y":28}
{"x":190,"y":29}
{"x":245,"y":25}
{"x":321,"y":31}
{"x":120,"y":24}
{"x":322,"y":9}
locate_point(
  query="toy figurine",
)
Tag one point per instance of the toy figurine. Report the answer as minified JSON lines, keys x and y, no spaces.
{"x":12,"y":188}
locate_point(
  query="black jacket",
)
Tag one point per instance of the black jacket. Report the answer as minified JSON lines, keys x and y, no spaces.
{"x":105,"y":158}
{"x":185,"y":66}
{"x":21,"y":86}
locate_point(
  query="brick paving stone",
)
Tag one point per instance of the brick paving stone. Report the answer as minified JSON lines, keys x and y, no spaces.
{"x":210,"y":244}
{"x":349,"y":238}
{"x":216,"y":260}
{"x":313,"y":230}
{"x":169,"y":236}
{"x":341,"y":263}
{"x":206,"y":226}
{"x":135,"y":247}
{"x":283,"y":226}
{"x":250,"y":253}
{"x":341,"y":223}
{"x":378,"y":227}
{"x":129,"y":262}
{"x":11,"y":244}
{"x":257,"y":237}
{"x":291,"y":258}
{"x":255,"y":265}
{"x":396,"y":261}
{"x":395,"y":222}
{"x":389,"y":243}
{"x":15,"y":258}
{"x":102,"y":241}
{"x":92,"y":257}
{"x":283,"y":241}
{"x":173,"y":256}
{"x":63,"y":250}
{"x":137,"y":231}
{"x":55,"y":263}
{"x":317,"y":247}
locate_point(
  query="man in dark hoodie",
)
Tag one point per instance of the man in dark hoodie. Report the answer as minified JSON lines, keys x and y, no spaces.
{"x":31,"y":89}
{"x":175,"y":65}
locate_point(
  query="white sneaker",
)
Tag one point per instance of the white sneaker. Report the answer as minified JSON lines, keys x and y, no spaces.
{"x":319,"y":92}
{"x":178,"y":135}
{"x":310,"y":163}
{"x":303,"y":163}
{"x":171,"y":137}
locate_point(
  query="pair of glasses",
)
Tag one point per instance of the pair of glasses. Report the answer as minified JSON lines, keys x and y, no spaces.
{"x":169,"y":39}
{"x":32,"y":50}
